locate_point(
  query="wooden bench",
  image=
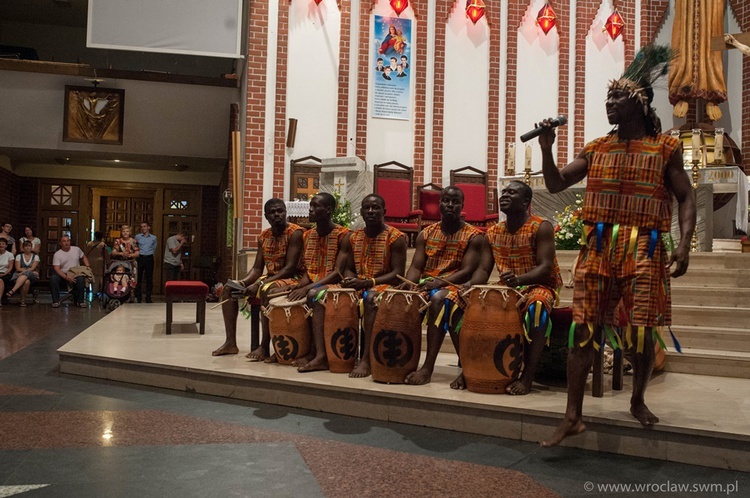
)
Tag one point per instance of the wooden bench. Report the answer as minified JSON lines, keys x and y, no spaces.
{"x":187,"y":290}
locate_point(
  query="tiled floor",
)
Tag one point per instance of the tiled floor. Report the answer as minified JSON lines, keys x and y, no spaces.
{"x":64,"y":435}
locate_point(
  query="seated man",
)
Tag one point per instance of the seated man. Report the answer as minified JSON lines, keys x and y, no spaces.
{"x":523,"y":248}
{"x":66,"y":258}
{"x":324,"y":260}
{"x":279,"y":250}
{"x":447,"y":254}
{"x":377,"y":255}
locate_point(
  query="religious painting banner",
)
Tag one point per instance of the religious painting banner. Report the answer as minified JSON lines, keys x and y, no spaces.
{"x":393,"y":67}
{"x":93,"y":115}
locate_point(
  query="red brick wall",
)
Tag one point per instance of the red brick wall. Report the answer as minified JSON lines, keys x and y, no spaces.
{"x":563,"y":80}
{"x":342,"y":120}
{"x":741,"y":9}
{"x":585,"y":13}
{"x":494,"y":154}
{"x":442,"y":15}
{"x":419,"y":55}
{"x":279,"y":136}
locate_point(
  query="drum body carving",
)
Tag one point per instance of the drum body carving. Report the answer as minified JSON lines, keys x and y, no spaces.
{"x":396,"y":336}
{"x":289,"y":328}
{"x":491,"y":339}
{"x":341,"y":329}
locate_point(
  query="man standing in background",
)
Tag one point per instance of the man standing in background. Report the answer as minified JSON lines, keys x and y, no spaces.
{"x":144,"y":283}
{"x":173,"y":256}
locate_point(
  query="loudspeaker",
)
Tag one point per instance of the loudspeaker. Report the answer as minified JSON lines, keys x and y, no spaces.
{"x":291,"y":133}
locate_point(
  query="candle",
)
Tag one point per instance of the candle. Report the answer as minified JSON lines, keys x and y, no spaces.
{"x":696,"y":144}
{"x":719,"y":146}
{"x":527,"y":162}
{"x":511,"y":164}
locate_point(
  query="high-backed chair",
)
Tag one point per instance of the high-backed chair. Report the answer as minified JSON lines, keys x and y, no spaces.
{"x":429,"y":203}
{"x":395,"y":182}
{"x":473,"y":183}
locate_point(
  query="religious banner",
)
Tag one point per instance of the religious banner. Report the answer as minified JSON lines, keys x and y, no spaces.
{"x":393,"y":66}
{"x":93,"y":115}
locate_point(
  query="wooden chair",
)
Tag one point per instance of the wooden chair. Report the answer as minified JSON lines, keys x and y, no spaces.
{"x":395,"y":182}
{"x":473,"y":183}
{"x":428,"y":196}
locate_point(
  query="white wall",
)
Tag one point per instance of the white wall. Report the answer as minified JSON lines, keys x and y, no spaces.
{"x":605,"y":61}
{"x":466,"y":93}
{"x":537,"y":83}
{"x":312,"y":76}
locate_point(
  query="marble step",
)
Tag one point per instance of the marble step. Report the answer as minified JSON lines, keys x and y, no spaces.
{"x":695,"y":296}
{"x":710,"y":338}
{"x":700,"y":260}
{"x":710,"y":362}
{"x":711,"y":316}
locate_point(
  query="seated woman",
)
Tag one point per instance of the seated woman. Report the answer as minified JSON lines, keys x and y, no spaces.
{"x":28,"y":234}
{"x":27,"y":266}
{"x":6,"y":266}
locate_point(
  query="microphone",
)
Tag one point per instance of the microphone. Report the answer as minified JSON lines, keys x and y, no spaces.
{"x":558,"y":121}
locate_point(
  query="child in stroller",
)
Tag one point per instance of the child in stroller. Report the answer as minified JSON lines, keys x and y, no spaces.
{"x":119,"y":282}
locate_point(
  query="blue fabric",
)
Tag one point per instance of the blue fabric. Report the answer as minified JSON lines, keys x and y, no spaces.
{"x":147,"y":245}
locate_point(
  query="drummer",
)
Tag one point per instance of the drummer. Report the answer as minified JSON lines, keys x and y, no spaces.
{"x":376,"y":257}
{"x":523,"y":248}
{"x":324,"y":256}
{"x":447,"y":254}
{"x":279,"y":250}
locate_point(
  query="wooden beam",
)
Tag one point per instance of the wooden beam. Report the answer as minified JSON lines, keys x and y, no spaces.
{"x":717,"y":42}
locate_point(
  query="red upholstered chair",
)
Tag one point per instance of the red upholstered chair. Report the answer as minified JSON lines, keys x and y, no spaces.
{"x":186,"y":290}
{"x":473,"y":183}
{"x":429,"y":203}
{"x":395,"y":182}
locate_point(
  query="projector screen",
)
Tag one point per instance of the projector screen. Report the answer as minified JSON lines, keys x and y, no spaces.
{"x":194,"y":27}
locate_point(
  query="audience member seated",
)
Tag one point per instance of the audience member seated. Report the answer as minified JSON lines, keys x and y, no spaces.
{"x":27,"y":266}
{"x":36,"y":244}
{"x":6,"y":266}
{"x":65,"y":261}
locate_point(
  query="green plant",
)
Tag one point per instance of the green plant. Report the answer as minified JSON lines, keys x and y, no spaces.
{"x":569,"y":226}
{"x":668,"y":241}
{"x":342,"y":215}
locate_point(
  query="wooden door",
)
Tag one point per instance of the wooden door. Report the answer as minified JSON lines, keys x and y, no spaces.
{"x":117,"y":211}
{"x":55,"y":224}
{"x":188,"y":224}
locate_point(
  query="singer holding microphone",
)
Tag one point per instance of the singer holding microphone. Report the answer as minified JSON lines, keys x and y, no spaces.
{"x":633,"y":174}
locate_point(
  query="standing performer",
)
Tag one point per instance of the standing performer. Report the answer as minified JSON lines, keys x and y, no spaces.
{"x":279,"y":250}
{"x":633,"y":173}
{"x":378,"y":255}
{"x":447,"y":254}
{"x":523,"y":248}
{"x":324,"y":261}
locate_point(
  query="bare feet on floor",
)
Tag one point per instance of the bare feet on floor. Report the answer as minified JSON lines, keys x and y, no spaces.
{"x":301,"y":362}
{"x":566,"y":428}
{"x":518,"y":388}
{"x":459,"y":382}
{"x":644,"y":415}
{"x":314,"y":365}
{"x":420,"y":377}
{"x":225,"y":349}
{"x":271,"y":359}
{"x":258,"y":354}
{"x":361,"y":370}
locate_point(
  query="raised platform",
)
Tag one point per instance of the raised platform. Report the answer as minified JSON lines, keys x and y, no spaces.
{"x":692,"y":430}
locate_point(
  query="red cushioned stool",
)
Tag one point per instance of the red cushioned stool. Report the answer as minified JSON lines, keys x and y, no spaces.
{"x":186,"y":290}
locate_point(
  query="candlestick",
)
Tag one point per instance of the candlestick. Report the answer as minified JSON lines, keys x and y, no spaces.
{"x":510,"y":167}
{"x":696,"y":144}
{"x":527,"y":162}
{"x":719,"y":146}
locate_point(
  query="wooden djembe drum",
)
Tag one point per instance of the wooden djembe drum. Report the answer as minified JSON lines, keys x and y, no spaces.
{"x":289,"y":328}
{"x":341,"y":329}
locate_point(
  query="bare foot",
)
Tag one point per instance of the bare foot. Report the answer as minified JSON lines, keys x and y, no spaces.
{"x":566,"y":428}
{"x":314,"y":365}
{"x":271,"y":359}
{"x":518,"y":388}
{"x":644,"y":415}
{"x":258,"y":354}
{"x":301,"y":362}
{"x":361,"y":370}
{"x":225,"y":349}
{"x":459,"y":382}
{"x":420,"y":377}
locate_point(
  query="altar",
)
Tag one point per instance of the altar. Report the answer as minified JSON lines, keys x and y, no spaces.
{"x":711,"y":223}
{"x":350,"y":178}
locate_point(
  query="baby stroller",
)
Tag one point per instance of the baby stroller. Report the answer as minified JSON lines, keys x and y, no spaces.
{"x":118,"y":283}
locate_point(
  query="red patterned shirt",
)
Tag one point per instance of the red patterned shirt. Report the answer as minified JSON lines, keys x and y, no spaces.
{"x":446,"y":252}
{"x":319,"y":254}
{"x":275,"y":248}
{"x":372,"y":256}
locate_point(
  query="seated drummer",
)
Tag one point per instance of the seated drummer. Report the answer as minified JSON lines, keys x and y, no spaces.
{"x":523,"y":248}
{"x":376,"y":257}
{"x":279,"y":250}
{"x":324,"y":256}
{"x":447,"y":254}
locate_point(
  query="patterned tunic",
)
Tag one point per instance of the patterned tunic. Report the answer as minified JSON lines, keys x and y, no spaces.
{"x":319,"y":254}
{"x":275,"y":248}
{"x":372,"y":257}
{"x":517,"y":252}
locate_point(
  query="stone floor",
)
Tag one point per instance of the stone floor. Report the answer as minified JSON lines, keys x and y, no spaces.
{"x":63,"y":435}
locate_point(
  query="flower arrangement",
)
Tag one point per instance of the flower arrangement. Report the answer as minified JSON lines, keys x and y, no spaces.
{"x":569,"y":226}
{"x":342,"y":215}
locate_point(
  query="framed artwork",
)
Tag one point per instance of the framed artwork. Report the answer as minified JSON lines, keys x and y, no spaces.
{"x":93,"y":115}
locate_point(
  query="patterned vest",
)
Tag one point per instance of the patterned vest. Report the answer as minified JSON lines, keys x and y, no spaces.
{"x":446,"y":252}
{"x":372,"y":257}
{"x":319,"y":254}
{"x":626,"y":181}
{"x":517,"y":251}
{"x":275,"y":248}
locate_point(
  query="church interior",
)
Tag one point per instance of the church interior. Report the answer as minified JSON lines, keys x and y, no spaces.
{"x":118,"y":113}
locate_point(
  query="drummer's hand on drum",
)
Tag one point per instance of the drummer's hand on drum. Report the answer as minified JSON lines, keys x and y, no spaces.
{"x":297,"y":294}
{"x":356,"y":283}
{"x":509,"y":278}
{"x":405,"y":286}
{"x":432,"y":284}
{"x":252,"y":290}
